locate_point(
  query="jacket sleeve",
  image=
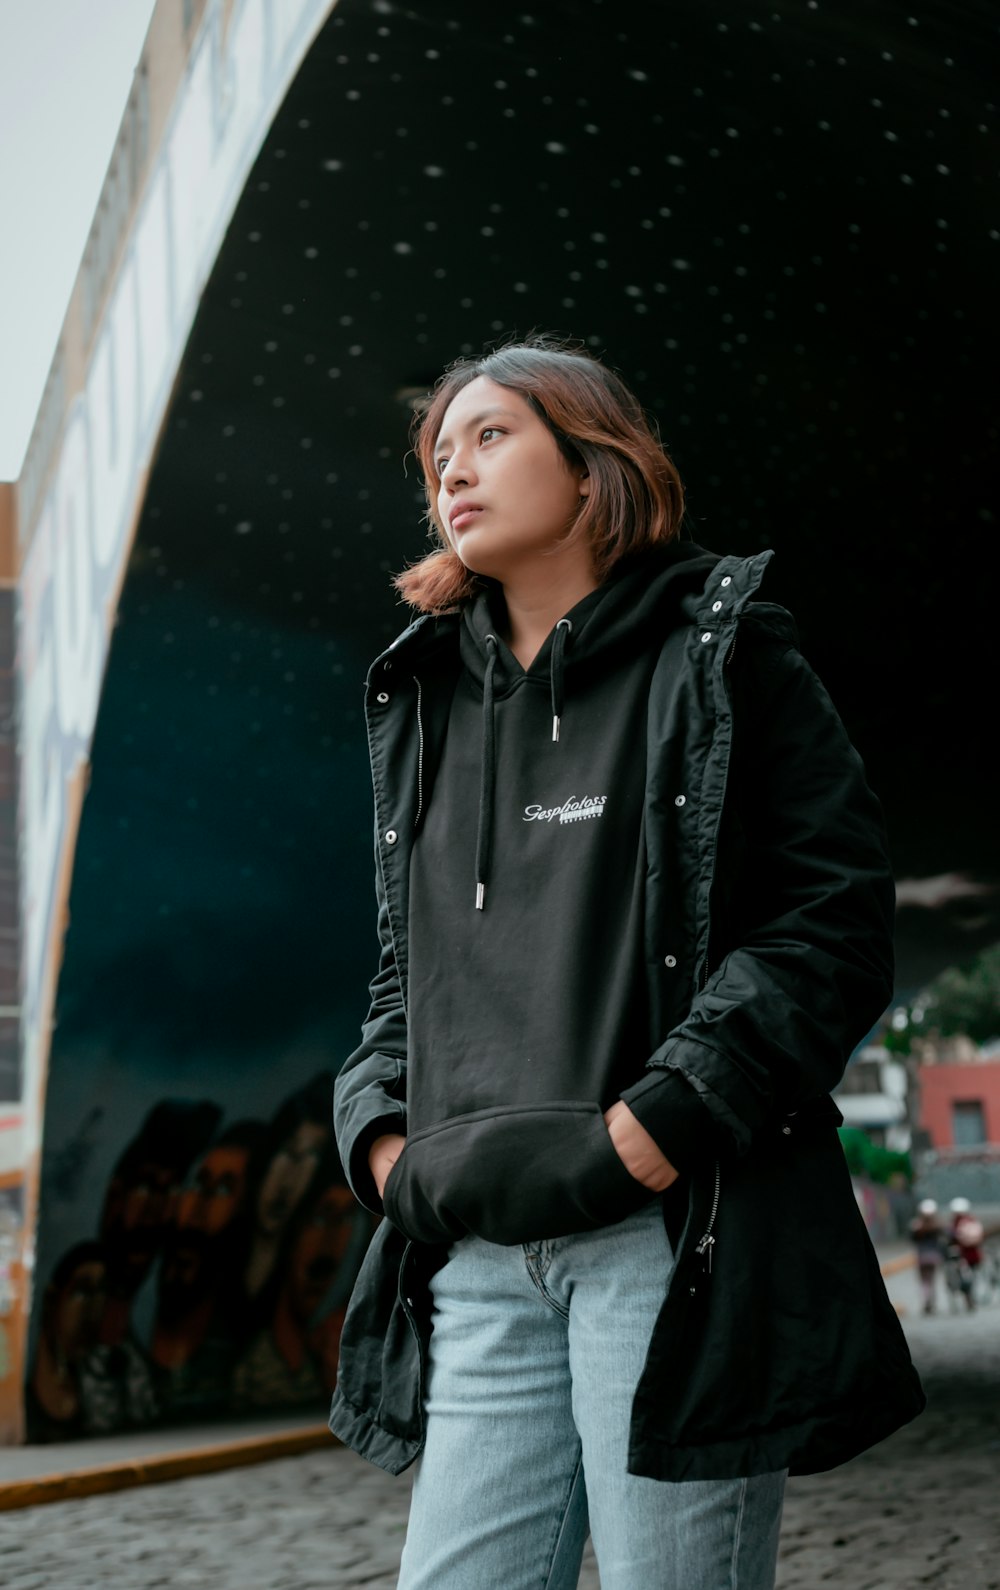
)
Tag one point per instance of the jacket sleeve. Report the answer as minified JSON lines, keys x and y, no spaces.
{"x":801,"y":963}
{"x":369,"y":1095}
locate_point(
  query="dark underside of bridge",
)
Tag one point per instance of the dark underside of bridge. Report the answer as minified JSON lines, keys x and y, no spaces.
{"x":774,"y":220}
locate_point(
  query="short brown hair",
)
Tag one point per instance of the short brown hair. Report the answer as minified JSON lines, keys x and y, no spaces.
{"x":636,"y":499}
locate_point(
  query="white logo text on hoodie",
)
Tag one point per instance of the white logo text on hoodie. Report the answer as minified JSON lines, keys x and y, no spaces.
{"x":572,"y":811}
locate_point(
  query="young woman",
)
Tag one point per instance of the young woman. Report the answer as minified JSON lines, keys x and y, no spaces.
{"x":635,"y":912}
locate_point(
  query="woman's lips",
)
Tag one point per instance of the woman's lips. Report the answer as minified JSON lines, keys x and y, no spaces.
{"x":462,"y":521}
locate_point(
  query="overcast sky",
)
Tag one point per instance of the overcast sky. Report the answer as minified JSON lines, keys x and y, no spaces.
{"x":65,"y":71}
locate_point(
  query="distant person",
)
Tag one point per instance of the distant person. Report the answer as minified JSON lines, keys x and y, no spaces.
{"x":928,"y":1236}
{"x":965,"y":1248}
{"x":635,"y":911}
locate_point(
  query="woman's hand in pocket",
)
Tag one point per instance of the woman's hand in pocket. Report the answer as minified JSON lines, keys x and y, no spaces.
{"x":637,"y":1150}
{"x":382,"y":1155}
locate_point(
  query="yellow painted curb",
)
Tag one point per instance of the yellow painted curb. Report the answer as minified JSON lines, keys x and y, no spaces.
{"x":212,"y":1459}
{"x":168,"y":1466}
{"x":107,"y":1477}
{"x":904,"y":1261}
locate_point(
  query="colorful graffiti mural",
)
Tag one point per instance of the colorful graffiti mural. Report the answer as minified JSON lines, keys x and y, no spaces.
{"x":12,"y":1315}
{"x":216,"y":1276}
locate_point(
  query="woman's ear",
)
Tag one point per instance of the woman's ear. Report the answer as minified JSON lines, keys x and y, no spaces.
{"x":584,"y":484}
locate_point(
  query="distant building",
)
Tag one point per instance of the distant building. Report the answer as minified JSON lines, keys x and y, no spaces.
{"x":959,"y":1115}
{"x":873,"y":1096}
{"x":960,"y":1094}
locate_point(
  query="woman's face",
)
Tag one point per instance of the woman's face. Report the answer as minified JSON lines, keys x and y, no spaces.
{"x":215,"y":1195}
{"x":288,"y":1175}
{"x":321,"y":1245}
{"x":506,"y":494}
{"x":80,"y":1309}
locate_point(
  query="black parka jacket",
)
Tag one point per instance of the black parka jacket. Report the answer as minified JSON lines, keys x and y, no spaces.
{"x":768,"y":958}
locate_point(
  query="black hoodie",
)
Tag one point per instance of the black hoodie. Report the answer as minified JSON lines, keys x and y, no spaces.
{"x":527,"y":1014}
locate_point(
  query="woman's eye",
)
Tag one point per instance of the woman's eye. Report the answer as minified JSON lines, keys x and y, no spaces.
{"x":441,"y":464}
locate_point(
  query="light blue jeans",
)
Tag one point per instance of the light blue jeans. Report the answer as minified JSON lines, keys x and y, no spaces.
{"x":534,"y":1359}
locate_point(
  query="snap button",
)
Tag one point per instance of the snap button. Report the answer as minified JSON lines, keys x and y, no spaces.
{"x":670,"y":960}
{"x":716,"y":607}
{"x":680,"y":800}
{"x":707,"y":636}
{"x":728,"y":580}
{"x":382,"y":698}
{"x":391,"y":836}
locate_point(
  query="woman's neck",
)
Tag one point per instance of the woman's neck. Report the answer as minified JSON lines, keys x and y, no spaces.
{"x":535,"y":605}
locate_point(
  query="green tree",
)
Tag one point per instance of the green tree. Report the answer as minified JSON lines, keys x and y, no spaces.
{"x":961,"y":999}
{"x":865,"y":1158}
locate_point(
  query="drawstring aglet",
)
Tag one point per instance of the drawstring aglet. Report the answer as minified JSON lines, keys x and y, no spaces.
{"x":559,"y":639}
{"x":480,"y":896}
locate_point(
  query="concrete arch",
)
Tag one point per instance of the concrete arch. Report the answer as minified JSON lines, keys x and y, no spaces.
{"x":209,"y":82}
{"x":658,"y":223}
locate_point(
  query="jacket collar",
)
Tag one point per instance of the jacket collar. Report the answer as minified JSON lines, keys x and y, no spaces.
{"x":730,"y":586}
{"x":427,"y":634}
{"x":734,"y":581}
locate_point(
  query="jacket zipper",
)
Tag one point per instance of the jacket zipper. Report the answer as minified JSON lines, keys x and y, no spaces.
{"x":420,"y":754}
{"x":702,"y":977}
{"x":706,"y":1242}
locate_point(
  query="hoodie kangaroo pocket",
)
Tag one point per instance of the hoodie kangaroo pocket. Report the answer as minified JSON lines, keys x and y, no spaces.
{"x":515,"y":1174}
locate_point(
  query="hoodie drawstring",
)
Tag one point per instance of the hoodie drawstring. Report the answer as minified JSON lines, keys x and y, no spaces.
{"x":484,"y":839}
{"x":556,"y":674}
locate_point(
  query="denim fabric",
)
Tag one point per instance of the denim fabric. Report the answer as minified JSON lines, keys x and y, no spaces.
{"x":535,"y":1355}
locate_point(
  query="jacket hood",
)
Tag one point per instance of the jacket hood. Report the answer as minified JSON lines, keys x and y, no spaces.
{"x":642,"y":591}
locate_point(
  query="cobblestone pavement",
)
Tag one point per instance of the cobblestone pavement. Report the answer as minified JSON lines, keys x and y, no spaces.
{"x":923,"y":1509}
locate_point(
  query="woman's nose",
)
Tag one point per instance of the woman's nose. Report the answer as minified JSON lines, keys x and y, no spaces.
{"x":457,"y":472}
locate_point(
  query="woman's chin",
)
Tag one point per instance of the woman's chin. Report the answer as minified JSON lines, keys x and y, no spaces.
{"x":478,"y":561}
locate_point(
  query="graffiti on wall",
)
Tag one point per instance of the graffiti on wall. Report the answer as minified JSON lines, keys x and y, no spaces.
{"x":216,"y":1279}
{"x":11,"y":1294}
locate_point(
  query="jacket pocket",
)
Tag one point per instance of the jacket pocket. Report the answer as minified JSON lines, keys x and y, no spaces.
{"x":514,"y":1174}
